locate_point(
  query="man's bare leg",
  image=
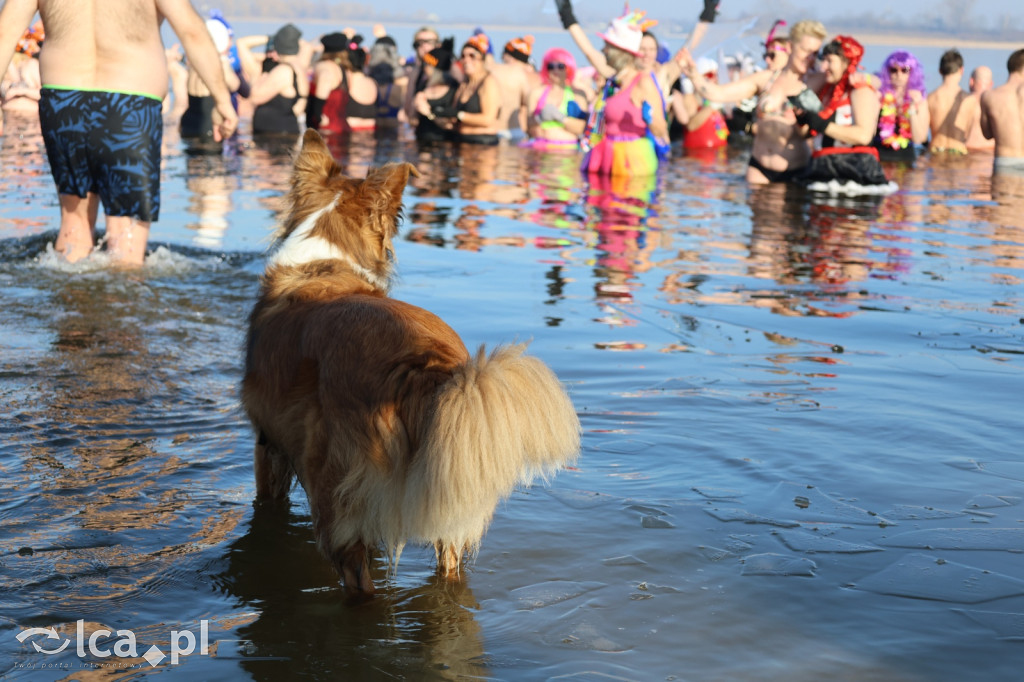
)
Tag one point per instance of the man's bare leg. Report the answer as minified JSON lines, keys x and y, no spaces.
{"x":77,"y":234}
{"x":126,"y":239}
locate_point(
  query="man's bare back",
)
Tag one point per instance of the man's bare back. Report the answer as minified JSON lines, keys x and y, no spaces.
{"x":114,"y":45}
{"x":952,"y":112}
{"x":1002,"y":111}
{"x":981,"y":81}
{"x":515,"y":91}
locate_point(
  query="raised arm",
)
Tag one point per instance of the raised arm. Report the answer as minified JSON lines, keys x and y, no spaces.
{"x":579,"y":36}
{"x":735,"y":91}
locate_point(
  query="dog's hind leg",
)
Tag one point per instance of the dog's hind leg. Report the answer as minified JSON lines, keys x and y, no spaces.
{"x":273,"y":473}
{"x":449,"y":559}
{"x":353,"y":563}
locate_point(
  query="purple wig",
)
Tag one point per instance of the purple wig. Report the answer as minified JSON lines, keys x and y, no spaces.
{"x":902,"y":58}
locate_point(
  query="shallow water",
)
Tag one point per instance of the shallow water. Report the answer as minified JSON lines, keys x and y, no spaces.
{"x":802,"y":427}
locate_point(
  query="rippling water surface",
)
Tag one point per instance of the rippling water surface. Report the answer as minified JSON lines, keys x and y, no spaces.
{"x":802,"y":449}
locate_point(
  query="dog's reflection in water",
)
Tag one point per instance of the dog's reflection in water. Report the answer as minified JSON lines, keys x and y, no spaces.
{"x":303,"y":615}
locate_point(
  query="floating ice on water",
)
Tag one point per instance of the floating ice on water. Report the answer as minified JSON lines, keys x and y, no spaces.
{"x":920,"y":576}
{"x":806,"y":503}
{"x":581,"y":499}
{"x":651,"y":521}
{"x":733,"y":514}
{"x":805,"y":541}
{"x":992,"y":501}
{"x":545,"y":594}
{"x":1005,"y":625}
{"x":624,"y":560}
{"x":777,"y":564}
{"x":907,"y":512}
{"x":995,"y":539}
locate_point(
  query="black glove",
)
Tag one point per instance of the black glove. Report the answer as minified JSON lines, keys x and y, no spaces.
{"x":565,"y":13}
{"x":814,"y":121}
{"x":710,"y":11}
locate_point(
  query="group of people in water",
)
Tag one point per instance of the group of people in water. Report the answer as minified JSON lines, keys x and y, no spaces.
{"x":814,"y":115}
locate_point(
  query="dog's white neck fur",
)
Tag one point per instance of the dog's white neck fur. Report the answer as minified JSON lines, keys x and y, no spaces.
{"x":300,"y":248}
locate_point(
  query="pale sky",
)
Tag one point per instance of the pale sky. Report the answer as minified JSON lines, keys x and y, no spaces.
{"x":980,"y":14}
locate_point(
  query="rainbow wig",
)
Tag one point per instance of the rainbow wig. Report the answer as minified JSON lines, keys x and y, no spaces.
{"x":902,"y":58}
{"x":559,"y":56}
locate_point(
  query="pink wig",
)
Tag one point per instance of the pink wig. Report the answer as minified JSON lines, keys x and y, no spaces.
{"x":902,"y":58}
{"x":558,"y":55}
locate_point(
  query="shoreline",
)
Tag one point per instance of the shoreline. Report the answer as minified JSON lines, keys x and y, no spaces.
{"x":866,"y":38}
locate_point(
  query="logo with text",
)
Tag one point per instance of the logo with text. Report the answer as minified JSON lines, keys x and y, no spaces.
{"x":103,"y":643}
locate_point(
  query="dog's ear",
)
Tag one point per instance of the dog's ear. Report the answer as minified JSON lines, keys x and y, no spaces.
{"x":383,"y":187}
{"x":314,"y":162}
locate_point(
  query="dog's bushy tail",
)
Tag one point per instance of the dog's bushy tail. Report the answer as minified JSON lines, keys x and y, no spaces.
{"x":501,"y":421}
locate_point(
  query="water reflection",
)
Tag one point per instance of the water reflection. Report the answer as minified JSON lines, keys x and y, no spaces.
{"x":304,"y":616}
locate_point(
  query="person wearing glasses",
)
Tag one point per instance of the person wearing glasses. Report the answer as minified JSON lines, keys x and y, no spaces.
{"x":904,"y":121}
{"x":780,"y":151}
{"x":557,"y":110}
{"x":423,"y":41}
{"x":478,"y":99}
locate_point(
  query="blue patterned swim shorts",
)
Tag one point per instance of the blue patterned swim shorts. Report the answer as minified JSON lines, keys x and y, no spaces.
{"x":107,"y":143}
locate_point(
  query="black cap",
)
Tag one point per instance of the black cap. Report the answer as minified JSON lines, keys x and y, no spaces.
{"x":286,"y":40}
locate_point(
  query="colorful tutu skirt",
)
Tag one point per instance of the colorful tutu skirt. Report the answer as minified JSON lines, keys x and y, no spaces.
{"x":627,"y":156}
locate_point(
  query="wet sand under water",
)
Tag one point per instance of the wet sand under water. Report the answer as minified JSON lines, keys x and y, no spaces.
{"x":802,"y":427}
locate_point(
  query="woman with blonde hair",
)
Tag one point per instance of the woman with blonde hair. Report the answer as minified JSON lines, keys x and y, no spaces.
{"x":780,"y":149}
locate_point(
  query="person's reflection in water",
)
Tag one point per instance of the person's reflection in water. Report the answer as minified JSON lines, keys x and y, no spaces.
{"x":620,"y":212}
{"x":489,"y":174}
{"x":404,"y":632}
{"x":1006,"y":220}
{"x":211,"y":180}
{"x":824,"y":242}
{"x":426,"y":217}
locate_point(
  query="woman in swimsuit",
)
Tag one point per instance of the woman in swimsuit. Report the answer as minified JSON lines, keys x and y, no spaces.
{"x":557,"y":117}
{"x":387,"y":71}
{"x":197,"y":119}
{"x":478,"y":100}
{"x":704,"y":126}
{"x":434,"y":104}
{"x":278,"y":93}
{"x":348,"y":96}
{"x":845,"y":125}
{"x":904,"y":119}
{"x":780,"y":150}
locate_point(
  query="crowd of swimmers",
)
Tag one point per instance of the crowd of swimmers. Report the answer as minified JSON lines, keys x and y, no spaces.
{"x":813,"y":115}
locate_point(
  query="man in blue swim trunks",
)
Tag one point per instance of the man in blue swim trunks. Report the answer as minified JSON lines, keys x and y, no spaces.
{"x":104,"y":77}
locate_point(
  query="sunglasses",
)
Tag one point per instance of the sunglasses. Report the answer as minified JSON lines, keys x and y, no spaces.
{"x":769,"y":55}
{"x":899,"y":69}
{"x":556,"y":66}
{"x":417,"y":44}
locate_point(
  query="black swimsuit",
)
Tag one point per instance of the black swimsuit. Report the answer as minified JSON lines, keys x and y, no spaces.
{"x":278,"y":115}
{"x":472,"y":106}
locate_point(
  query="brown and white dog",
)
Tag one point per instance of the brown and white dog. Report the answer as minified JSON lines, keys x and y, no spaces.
{"x":396,"y":433}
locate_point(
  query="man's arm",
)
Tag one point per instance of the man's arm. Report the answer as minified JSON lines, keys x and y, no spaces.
{"x":15,"y":16}
{"x":986,"y":124}
{"x":203,"y":57}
